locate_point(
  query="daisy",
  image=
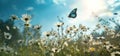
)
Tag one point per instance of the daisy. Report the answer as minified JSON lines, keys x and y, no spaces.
{"x":67,"y":31}
{"x":37,"y":27}
{"x":106,"y":43}
{"x":55,"y":50}
{"x":9,"y":50}
{"x":14,"y":17}
{"x":20,"y":41}
{"x":47,"y":34}
{"x":75,"y":30}
{"x":110,"y":47}
{"x":7,"y":35}
{"x":31,"y":42}
{"x":2,"y":49}
{"x":27,"y":25}
{"x":90,"y":37}
{"x":100,"y":38}
{"x":74,"y":27}
{"x":118,"y":34}
{"x":59,"y":24}
{"x":96,"y":43}
{"x":65,"y":44}
{"x":26,"y":18}
{"x":83,"y":28}
{"x":114,"y":53}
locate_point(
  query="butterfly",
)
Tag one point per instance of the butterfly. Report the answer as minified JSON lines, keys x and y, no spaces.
{"x":73,"y":13}
{"x":115,"y":13}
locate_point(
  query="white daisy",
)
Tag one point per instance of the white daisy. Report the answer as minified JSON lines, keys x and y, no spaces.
{"x":65,"y":44}
{"x":100,"y":38}
{"x":26,"y":18}
{"x":7,"y":35}
{"x":55,"y":50}
{"x":37,"y":27}
{"x":20,"y":41}
{"x":14,"y":17}
{"x":114,"y":53}
{"x":27,"y":25}
{"x":83,"y":28}
{"x":59,"y":24}
{"x":47,"y":34}
{"x":31,"y":42}
{"x":9,"y":50}
{"x":2,"y":49}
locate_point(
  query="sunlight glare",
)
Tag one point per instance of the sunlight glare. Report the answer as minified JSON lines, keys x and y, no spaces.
{"x":86,"y":8}
{"x":96,"y":6}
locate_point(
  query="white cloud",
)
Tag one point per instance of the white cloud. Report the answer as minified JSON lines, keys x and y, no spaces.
{"x":58,"y":2}
{"x":40,"y":1}
{"x":29,"y":8}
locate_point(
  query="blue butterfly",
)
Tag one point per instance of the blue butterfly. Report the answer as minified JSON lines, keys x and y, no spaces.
{"x":115,"y":13}
{"x":73,"y":13}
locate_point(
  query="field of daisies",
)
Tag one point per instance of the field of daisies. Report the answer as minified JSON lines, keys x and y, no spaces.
{"x":70,"y":40}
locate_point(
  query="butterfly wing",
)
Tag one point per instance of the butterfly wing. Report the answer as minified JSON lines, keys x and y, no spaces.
{"x":73,"y":13}
{"x":115,"y":13}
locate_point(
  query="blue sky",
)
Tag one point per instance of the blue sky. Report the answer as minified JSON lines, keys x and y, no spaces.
{"x":45,"y":12}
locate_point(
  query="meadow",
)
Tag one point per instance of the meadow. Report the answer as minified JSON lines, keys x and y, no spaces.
{"x":70,"y":40}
